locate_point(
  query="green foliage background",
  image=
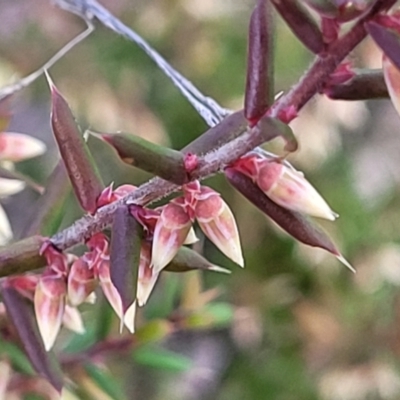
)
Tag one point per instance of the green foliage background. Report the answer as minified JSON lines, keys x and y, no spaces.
{"x":294,"y":324}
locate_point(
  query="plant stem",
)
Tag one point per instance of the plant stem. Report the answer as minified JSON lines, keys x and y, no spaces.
{"x":213,"y":162}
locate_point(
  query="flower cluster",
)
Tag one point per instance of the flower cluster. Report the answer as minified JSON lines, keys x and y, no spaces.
{"x":68,"y":280}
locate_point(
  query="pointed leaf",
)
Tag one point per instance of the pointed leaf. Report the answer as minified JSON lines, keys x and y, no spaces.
{"x":158,"y":160}
{"x":301,"y":23}
{"x":294,"y":223}
{"x":105,"y":381}
{"x":188,"y":260}
{"x":158,"y":357}
{"x":125,"y":255}
{"x":387,"y":39}
{"x":21,"y":314}
{"x":228,"y":129}
{"x":48,"y":211}
{"x":79,"y":163}
{"x":364,"y":85}
{"x":270,"y":128}
{"x":260,"y":63}
{"x":22,"y":256}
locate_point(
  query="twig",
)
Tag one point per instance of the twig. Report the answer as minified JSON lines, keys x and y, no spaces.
{"x":298,"y":96}
{"x":24,"y":82}
{"x":207,"y":107}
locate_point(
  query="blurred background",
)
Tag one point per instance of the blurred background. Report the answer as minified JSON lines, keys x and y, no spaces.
{"x":295,"y":323}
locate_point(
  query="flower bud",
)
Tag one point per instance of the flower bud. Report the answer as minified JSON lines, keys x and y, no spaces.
{"x":218,"y":224}
{"x":18,"y":146}
{"x":81,"y":282}
{"x":170,"y":232}
{"x":49,"y":304}
{"x":147,"y":276}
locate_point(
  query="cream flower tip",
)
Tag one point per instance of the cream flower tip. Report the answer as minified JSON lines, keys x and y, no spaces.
{"x":191,"y":238}
{"x":346,"y":263}
{"x":217,"y":268}
{"x":8,"y":187}
{"x":129,"y":317}
{"x":292,"y":191}
{"x":392,"y":79}
{"x":19,"y":146}
{"x":5,"y":228}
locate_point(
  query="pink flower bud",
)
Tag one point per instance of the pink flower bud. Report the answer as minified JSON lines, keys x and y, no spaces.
{"x":18,"y":146}
{"x":81,"y":282}
{"x":218,"y":224}
{"x":24,"y":284}
{"x":170,"y":233}
{"x":147,"y":277}
{"x":288,"y":188}
{"x":56,"y":261}
{"x":49,"y":304}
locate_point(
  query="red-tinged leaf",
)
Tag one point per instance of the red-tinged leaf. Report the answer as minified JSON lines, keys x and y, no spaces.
{"x":48,"y":211}
{"x":301,"y":23}
{"x":22,"y":315}
{"x":228,"y":129}
{"x":125,"y":255}
{"x":342,"y":10}
{"x":158,"y":160}
{"x":260,"y":63}
{"x":187,"y":259}
{"x":22,"y":256}
{"x":364,"y":85}
{"x":387,"y":39}
{"x":294,"y":223}
{"x":271,"y":128}
{"x":79,"y":163}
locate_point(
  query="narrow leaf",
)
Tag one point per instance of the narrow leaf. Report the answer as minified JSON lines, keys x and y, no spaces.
{"x":301,"y":23}
{"x":105,"y":381}
{"x":16,"y":356}
{"x":158,"y":357}
{"x":22,"y":316}
{"x":270,"y":128}
{"x":387,"y":39}
{"x":21,"y":256}
{"x":158,"y":160}
{"x":188,"y":260}
{"x":125,"y":255}
{"x":297,"y":225}
{"x":48,"y":211}
{"x":230,"y":128}
{"x":364,"y":85}
{"x":260,"y":63}
{"x":79,"y":163}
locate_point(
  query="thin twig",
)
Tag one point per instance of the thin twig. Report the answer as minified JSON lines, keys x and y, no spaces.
{"x":211,"y":163}
{"x":207,"y":107}
{"x":24,"y":82}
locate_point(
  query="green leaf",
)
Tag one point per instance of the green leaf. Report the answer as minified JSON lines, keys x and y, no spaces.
{"x":105,"y":381}
{"x":157,"y":357}
{"x":17,"y":357}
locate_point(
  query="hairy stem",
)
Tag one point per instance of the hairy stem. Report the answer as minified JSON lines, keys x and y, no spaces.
{"x":213,"y":162}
